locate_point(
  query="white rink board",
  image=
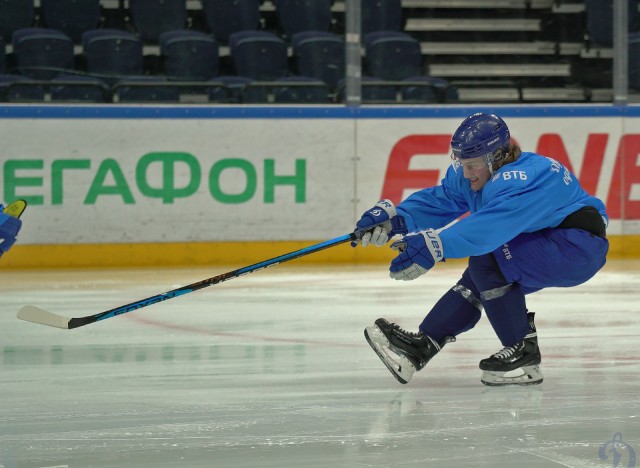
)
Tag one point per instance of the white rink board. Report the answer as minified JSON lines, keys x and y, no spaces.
{"x":262,"y":175}
{"x":325,"y":147}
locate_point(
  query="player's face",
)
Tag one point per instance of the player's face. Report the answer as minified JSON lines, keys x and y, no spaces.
{"x":477,"y":171}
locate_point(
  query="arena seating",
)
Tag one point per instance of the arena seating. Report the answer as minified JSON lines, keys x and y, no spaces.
{"x":224,"y":17}
{"x":259,"y":55}
{"x":79,"y":89}
{"x":3,"y":56}
{"x":307,"y":91}
{"x":392,"y":55}
{"x":427,"y":90}
{"x":42,"y":53}
{"x":374,"y":91}
{"x":189,"y":55}
{"x":111,"y":53}
{"x":154,"y":17}
{"x":321,"y":55}
{"x":17,"y":88}
{"x":234,"y":87}
{"x":447,"y":50}
{"x":381,"y":16}
{"x":14,"y":15}
{"x":296,"y":16}
{"x":72,"y":17}
{"x":141,"y":89}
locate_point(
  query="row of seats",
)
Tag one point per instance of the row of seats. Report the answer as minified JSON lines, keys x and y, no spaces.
{"x":151,"y":18}
{"x":107,"y":65}
{"x":40,"y":53}
{"x":224,"y":89}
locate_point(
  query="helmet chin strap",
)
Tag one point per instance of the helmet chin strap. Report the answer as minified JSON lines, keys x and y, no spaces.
{"x":488,"y":158}
{"x":496,"y":158}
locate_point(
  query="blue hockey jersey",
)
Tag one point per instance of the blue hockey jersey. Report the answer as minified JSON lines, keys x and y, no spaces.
{"x":532,"y":193}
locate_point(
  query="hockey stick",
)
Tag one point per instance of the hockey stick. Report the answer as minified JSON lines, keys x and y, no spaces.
{"x":16,"y":208}
{"x":43,"y":317}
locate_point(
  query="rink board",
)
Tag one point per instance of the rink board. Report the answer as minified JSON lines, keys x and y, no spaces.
{"x":118,"y":186}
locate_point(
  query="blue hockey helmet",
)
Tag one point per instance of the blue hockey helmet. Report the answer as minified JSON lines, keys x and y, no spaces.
{"x":485,"y":135}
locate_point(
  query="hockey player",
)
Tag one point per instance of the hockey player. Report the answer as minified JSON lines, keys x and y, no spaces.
{"x":531,"y":226}
{"x":10,"y":224}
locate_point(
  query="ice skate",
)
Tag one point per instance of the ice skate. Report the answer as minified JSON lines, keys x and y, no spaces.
{"x":515,"y":365}
{"x":402,"y":352}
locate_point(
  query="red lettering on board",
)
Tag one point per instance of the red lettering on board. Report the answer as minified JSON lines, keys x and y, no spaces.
{"x":551,"y":145}
{"x":399,"y":177}
{"x":626,"y":174}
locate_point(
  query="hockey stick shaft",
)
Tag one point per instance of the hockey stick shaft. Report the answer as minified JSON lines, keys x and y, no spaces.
{"x":43,"y":317}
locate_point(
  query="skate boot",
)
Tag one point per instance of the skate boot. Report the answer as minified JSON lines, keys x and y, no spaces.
{"x":402,"y":352}
{"x":515,"y":365}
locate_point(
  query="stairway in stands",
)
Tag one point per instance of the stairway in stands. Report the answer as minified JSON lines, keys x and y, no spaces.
{"x":511,"y":50}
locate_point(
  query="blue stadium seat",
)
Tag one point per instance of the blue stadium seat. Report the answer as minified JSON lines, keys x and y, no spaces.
{"x":14,"y":15}
{"x":259,"y":55}
{"x":301,"y":90}
{"x":72,"y":17}
{"x":145,"y":89}
{"x":111,"y":53}
{"x":421,"y":93}
{"x":600,"y":20}
{"x":16,"y":88}
{"x":42,"y":53}
{"x":225,"y":17}
{"x":320,"y":55}
{"x":303,"y":15}
{"x":428,"y":89}
{"x":234,"y":85}
{"x":78,"y":88}
{"x":253,"y":93}
{"x":374,"y":91}
{"x":153,"y":17}
{"x":189,"y":55}
{"x":219,"y":93}
{"x":392,"y":55}
{"x":381,"y":15}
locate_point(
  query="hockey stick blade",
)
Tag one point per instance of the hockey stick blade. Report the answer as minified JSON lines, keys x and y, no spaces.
{"x":15,"y":208}
{"x":43,"y":317}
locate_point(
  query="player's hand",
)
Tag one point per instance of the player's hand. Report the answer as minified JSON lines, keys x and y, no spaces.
{"x":9,"y":228}
{"x":418,"y":253}
{"x":377,"y":225}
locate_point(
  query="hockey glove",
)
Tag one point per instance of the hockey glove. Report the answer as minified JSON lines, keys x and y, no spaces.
{"x":418,"y":253}
{"x":379,"y":224}
{"x":9,"y":228}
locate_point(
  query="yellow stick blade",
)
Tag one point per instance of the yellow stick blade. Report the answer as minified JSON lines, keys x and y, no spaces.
{"x":15,"y":209}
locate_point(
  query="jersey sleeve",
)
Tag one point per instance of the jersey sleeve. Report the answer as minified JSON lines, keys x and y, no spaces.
{"x":435,"y":207}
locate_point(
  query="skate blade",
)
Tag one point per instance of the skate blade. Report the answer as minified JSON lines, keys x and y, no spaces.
{"x":527,"y":375}
{"x":399,"y":366}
